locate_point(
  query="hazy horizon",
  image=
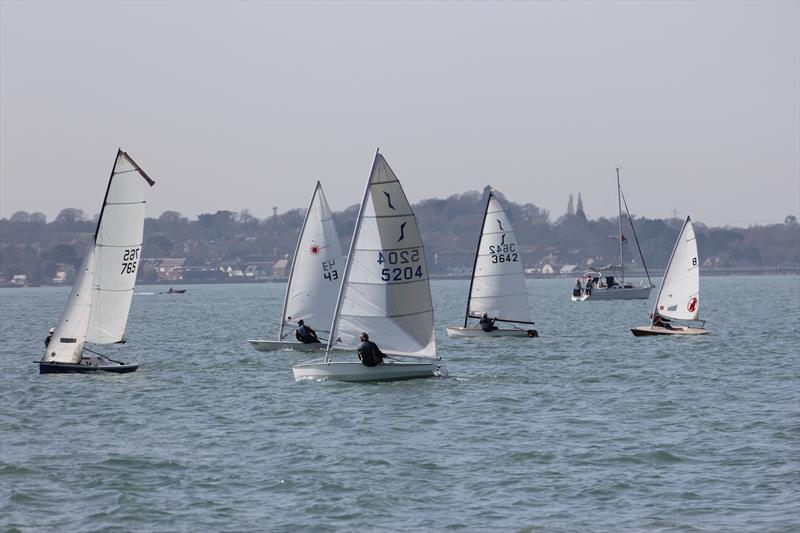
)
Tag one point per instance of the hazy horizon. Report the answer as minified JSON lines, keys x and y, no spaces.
{"x":245,"y":105}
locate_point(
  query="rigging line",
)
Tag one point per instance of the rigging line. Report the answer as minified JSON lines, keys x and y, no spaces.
{"x":509,"y":320}
{"x":126,"y":203}
{"x":636,"y":238}
{"x":103,"y":355}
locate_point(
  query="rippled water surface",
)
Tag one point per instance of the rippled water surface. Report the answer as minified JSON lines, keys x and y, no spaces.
{"x":583,"y":429}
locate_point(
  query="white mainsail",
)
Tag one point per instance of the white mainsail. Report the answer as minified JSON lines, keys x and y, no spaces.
{"x":97,"y":308}
{"x":385,"y":291}
{"x":498,"y":280}
{"x":317,"y":270}
{"x":679,"y":295}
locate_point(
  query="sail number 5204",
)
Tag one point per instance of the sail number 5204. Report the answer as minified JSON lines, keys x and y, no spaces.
{"x":129,"y":260}
{"x":403,"y":265}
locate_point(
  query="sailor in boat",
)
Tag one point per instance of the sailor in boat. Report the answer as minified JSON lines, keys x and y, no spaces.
{"x":305,"y":334}
{"x":368,"y":351}
{"x":578,"y":288}
{"x":49,"y":336}
{"x":487,"y":324}
{"x":662,"y":322}
{"x":589,"y":286}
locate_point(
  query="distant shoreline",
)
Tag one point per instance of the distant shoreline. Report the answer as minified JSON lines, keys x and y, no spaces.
{"x":708,"y":272}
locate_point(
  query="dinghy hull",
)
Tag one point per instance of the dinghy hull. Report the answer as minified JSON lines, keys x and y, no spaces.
{"x":459,"y":331}
{"x":274,"y":346}
{"x":354,"y":371}
{"x":646,"y":331}
{"x":67,"y":368}
{"x":636,"y":293}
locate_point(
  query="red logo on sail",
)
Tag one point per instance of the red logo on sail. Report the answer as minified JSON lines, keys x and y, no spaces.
{"x":692,"y":305}
{"x":315,"y":248}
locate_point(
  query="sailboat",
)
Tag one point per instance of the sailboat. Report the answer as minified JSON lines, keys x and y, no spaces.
{"x":497,"y":287}
{"x":98,"y":306}
{"x":385,"y":292}
{"x":314,"y":278}
{"x":679,"y":296}
{"x":602,"y":284}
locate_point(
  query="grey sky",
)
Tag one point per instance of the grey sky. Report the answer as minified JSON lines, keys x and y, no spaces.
{"x":246,"y":105}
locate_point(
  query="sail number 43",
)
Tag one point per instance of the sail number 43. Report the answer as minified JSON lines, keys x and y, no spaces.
{"x":129,"y":260}
{"x":402,"y":265}
{"x":329,"y":271}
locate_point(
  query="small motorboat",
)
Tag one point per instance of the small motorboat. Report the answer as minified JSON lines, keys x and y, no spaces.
{"x":173,"y":291}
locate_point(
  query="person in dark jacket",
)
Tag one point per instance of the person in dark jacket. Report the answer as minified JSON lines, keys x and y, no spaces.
{"x":305,"y":334}
{"x":49,"y":336}
{"x":368,"y":351}
{"x":663,"y":322}
{"x":487,"y":324}
{"x":578,"y":288}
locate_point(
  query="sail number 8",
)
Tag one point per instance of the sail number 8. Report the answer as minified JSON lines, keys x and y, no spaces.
{"x":408,"y":265}
{"x":129,"y":260}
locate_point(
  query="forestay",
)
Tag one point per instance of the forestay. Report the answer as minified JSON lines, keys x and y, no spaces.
{"x":680,"y":290}
{"x":498,"y":280}
{"x":98,"y":306}
{"x":385,"y":290}
{"x":317,"y":270}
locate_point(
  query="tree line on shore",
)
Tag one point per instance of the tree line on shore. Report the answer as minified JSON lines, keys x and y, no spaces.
{"x":32,"y":246}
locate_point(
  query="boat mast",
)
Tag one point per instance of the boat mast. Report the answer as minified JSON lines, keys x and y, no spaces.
{"x":141,"y":172}
{"x":294,"y":259}
{"x":477,"y":251}
{"x":619,"y":219}
{"x":347,"y":264}
{"x":105,"y":198}
{"x":636,"y":238}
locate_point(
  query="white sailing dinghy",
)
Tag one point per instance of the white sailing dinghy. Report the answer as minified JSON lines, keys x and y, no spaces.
{"x":314,"y":279}
{"x":498,"y":286}
{"x":605,"y":286}
{"x":385,"y":292}
{"x":98,"y":306}
{"x":679,"y":296}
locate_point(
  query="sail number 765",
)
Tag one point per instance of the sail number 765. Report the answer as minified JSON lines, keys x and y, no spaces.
{"x":129,"y":260}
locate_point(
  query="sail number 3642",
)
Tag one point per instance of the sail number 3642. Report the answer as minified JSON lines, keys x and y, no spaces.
{"x":129,"y":260}
{"x":504,"y":253}
{"x":402,"y":265}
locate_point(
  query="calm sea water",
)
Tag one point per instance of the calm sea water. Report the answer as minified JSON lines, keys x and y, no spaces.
{"x":583,"y":429}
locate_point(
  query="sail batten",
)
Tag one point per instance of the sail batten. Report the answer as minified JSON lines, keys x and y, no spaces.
{"x":386,"y":289}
